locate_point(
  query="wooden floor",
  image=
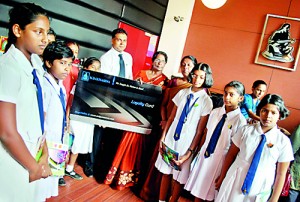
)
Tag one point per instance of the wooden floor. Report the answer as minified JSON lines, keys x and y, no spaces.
{"x":89,"y":189}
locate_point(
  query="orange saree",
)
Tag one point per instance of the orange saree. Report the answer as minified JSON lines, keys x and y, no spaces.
{"x":126,"y":165}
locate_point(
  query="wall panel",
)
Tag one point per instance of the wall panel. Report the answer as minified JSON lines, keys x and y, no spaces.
{"x":90,"y":22}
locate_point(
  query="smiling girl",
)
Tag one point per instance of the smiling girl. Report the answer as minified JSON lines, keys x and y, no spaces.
{"x":184,"y":129}
{"x":208,"y":163}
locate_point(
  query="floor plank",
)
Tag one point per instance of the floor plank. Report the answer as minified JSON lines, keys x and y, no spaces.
{"x":89,"y":190}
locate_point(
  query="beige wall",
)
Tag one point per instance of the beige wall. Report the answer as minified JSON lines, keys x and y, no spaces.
{"x":173,"y":36}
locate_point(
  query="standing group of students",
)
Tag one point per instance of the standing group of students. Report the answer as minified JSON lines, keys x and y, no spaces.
{"x":221,"y":157}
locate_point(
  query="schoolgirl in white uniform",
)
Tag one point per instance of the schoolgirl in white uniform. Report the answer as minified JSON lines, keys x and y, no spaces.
{"x":206,"y":168}
{"x":58,"y":59}
{"x":275,"y":153}
{"x":193,"y":125}
{"x":20,"y":121}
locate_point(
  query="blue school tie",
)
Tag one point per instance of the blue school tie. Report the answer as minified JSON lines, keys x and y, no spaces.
{"x":186,"y":110}
{"x":122,"y":67}
{"x":215,"y":137}
{"x":252,"y":169}
{"x":62,"y":100}
{"x":39,"y":98}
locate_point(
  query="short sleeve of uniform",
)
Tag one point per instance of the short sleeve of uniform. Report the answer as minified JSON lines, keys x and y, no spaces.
{"x":10,"y":83}
{"x":179,"y":97}
{"x":47,"y":96}
{"x":238,"y":137}
{"x":286,"y":153}
{"x":207,"y":106}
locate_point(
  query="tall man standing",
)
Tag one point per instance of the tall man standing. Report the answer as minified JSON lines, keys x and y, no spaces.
{"x":116,"y":61}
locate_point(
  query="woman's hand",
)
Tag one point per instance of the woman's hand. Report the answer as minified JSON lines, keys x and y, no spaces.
{"x":140,"y":80}
{"x":163,"y":124}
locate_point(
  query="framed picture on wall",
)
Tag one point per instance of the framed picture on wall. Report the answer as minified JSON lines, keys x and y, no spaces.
{"x":279,"y":43}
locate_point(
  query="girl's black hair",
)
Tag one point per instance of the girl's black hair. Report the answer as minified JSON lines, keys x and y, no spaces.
{"x":275,"y":100}
{"x":192,"y":58}
{"x":52,"y":32}
{"x":56,"y":51}
{"x":89,"y":61}
{"x":162,"y":53}
{"x":22,"y":14}
{"x":208,"y":82}
{"x":240,"y":88}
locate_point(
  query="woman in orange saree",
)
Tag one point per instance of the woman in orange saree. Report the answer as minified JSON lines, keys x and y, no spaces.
{"x":127,"y":161}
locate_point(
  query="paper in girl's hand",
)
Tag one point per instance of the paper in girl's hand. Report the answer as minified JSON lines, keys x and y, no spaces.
{"x":57,"y":156}
{"x":169,"y":155}
{"x":39,"y":147}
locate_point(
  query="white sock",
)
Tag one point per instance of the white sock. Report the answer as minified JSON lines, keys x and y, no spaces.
{"x":69,"y":168}
{"x":161,"y":201}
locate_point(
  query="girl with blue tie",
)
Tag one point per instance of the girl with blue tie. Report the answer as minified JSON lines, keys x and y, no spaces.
{"x":21,"y":112}
{"x":184,"y":129}
{"x":258,"y":158}
{"x":58,"y":58}
{"x":222,"y":124}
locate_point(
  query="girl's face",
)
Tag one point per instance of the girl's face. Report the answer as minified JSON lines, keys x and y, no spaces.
{"x":232,"y":98}
{"x":159,"y":62}
{"x":33,"y":39}
{"x":74,"y":49}
{"x":186,"y":66}
{"x":60,"y":68}
{"x":198,"y":77}
{"x":95,"y":66}
{"x":269,"y":115}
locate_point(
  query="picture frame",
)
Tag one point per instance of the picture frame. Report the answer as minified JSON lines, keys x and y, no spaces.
{"x":275,"y":52}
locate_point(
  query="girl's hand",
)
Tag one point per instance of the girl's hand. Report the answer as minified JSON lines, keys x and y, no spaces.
{"x":67,"y":157}
{"x":36,"y":173}
{"x":45,"y":165}
{"x":183,"y":158}
{"x":160,"y":149}
{"x":218,"y":182}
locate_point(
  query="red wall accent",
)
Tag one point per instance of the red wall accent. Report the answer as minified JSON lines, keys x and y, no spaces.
{"x":228,"y":38}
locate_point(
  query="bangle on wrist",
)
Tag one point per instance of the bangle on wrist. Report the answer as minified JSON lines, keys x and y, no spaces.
{"x":191,"y":150}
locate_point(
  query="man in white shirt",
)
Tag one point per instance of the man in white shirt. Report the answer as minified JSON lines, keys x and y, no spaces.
{"x":116,"y":61}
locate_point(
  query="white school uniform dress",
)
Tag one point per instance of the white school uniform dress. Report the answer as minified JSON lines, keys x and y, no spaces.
{"x":202,"y":107}
{"x":53,"y":127}
{"x":247,"y":140}
{"x":110,"y":63}
{"x":83,"y":134}
{"x":204,"y":171}
{"x":16,"y":86}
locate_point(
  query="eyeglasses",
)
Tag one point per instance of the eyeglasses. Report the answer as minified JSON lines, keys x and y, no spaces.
{"x":158,"y":60}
